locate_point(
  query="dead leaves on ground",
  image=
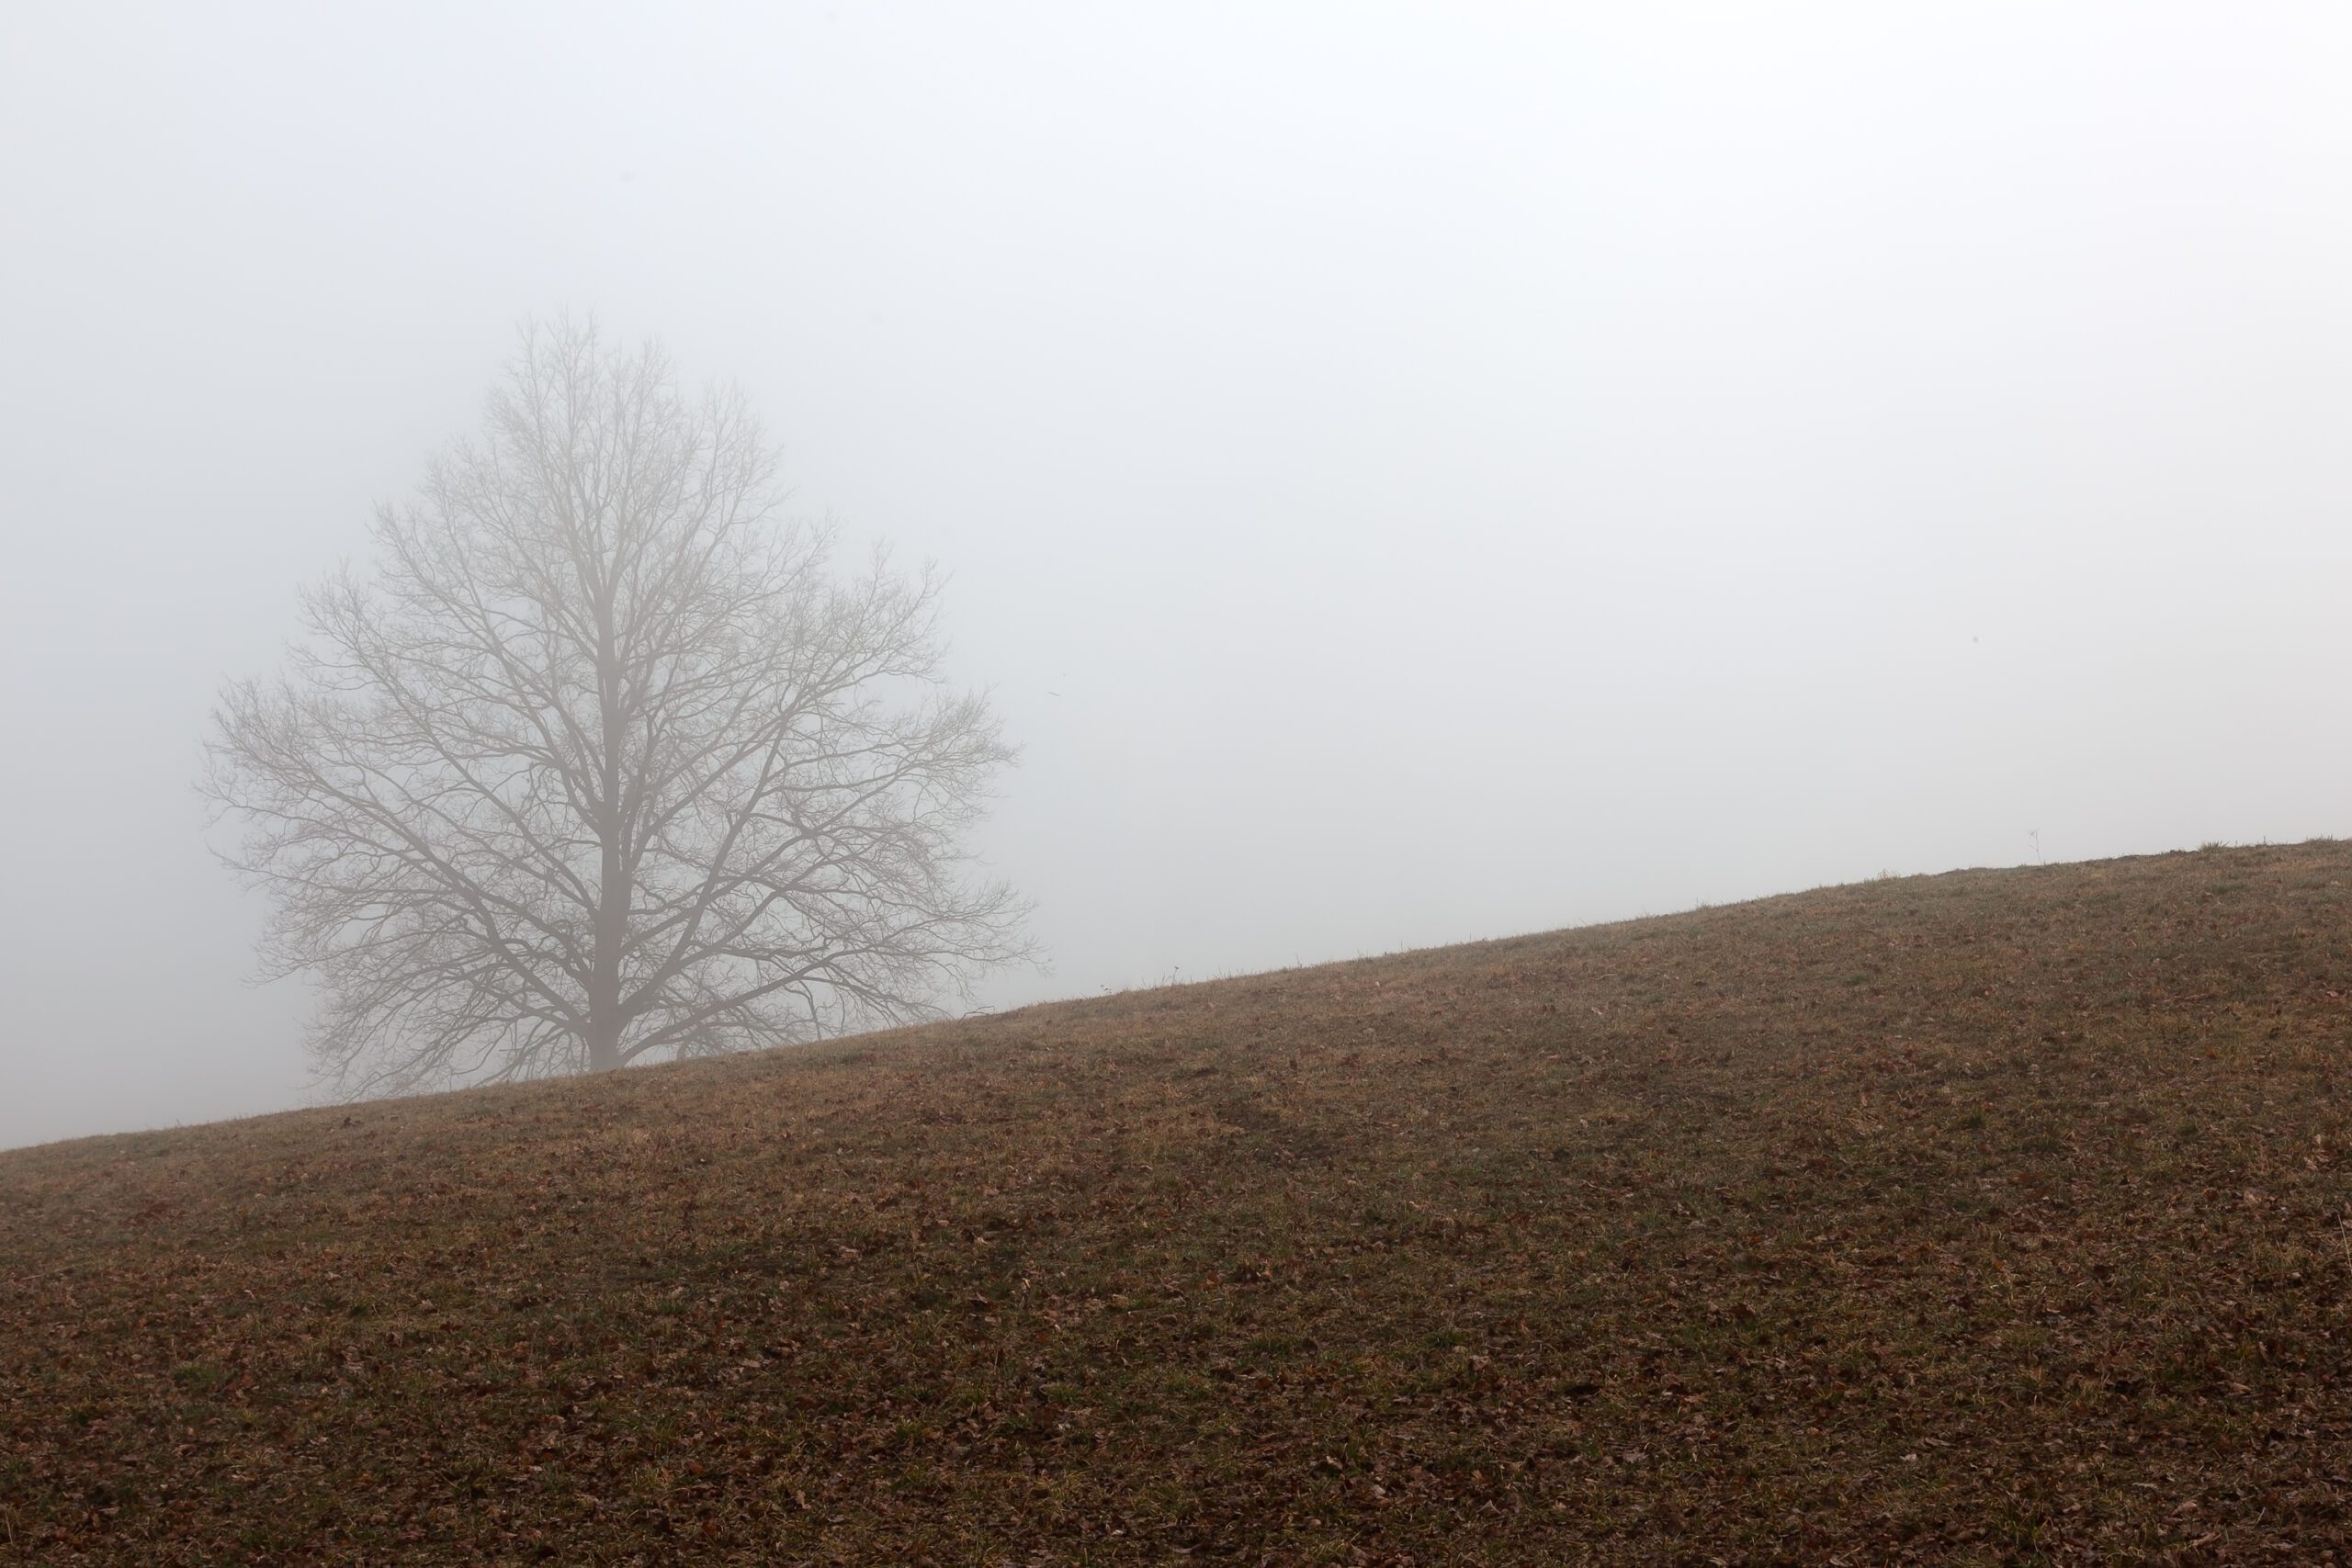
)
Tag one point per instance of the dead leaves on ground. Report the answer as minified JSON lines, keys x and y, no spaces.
{"x":1986,"y":1217}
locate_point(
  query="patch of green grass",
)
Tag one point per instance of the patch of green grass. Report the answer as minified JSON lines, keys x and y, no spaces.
{"x":197,"y":1377}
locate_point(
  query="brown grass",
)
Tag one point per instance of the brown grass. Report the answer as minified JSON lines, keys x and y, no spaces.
{"x":1998,"y":1216}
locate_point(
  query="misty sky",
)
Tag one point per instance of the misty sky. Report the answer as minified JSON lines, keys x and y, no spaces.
{"x":1408,"y":474}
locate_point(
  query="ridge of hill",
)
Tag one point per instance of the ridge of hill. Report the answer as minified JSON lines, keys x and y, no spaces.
{"x":1990,"y":1216}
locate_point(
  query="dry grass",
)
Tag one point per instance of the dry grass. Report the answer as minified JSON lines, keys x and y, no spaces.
{"x":1996,"y":1216}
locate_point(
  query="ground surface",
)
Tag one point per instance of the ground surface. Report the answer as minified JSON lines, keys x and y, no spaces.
{"x":1996,"y":1216}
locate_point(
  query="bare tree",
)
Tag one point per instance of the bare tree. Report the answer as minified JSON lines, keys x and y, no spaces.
{"x":601,"y":762}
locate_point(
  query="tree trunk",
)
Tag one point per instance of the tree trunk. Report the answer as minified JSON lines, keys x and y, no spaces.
{"x":604,"y":1040}
{"x":605,"y":1018}
{"x":605,"y":984}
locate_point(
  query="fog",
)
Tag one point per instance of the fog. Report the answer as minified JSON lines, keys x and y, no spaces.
{"x":1407,"y":474}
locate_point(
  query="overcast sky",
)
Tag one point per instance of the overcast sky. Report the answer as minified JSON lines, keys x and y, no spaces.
{"x":1408,"y":474}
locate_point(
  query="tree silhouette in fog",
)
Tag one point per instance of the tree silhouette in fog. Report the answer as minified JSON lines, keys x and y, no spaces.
{"x":601,"y":759}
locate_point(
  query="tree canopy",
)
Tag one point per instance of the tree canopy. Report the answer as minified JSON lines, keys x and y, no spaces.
{"x":600,"y":759}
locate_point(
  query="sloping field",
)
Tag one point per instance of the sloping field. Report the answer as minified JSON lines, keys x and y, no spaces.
{"x":1991,"y":1217}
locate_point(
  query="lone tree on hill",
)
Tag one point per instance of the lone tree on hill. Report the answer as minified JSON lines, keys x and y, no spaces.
{"x":601,"y":762}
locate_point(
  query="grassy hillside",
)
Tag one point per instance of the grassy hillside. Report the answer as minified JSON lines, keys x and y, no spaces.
{"x":1995,"y":1217}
